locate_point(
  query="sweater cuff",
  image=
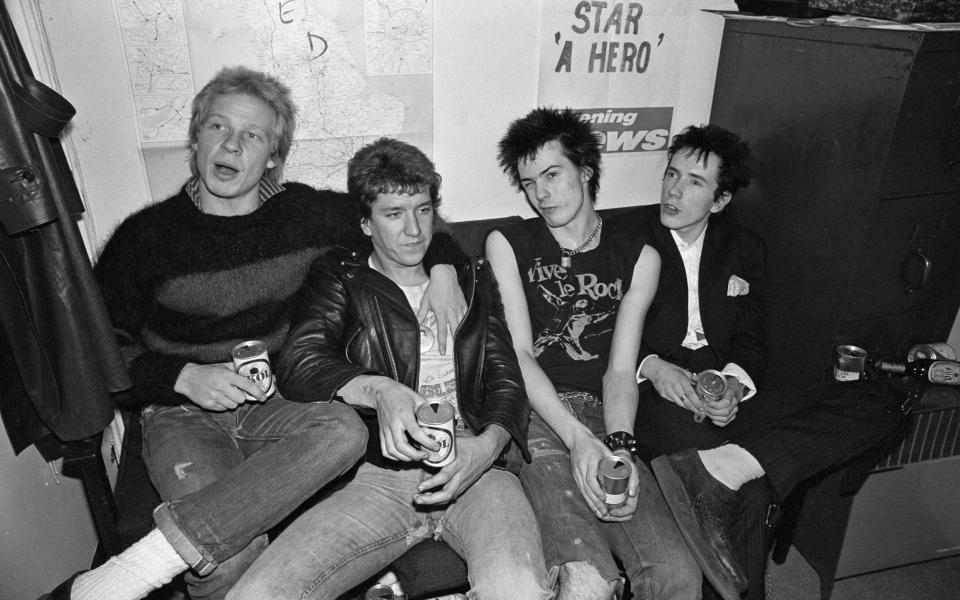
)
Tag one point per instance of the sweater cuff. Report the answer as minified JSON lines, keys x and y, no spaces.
{"x":444,"y":250}
{"x":154,"y":377}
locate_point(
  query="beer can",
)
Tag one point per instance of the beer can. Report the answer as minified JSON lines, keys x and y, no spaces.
{"x":935,"y":351}
{"x":614,"y":473}
{"x":250,"y":360}
{"x":710,"y":385}
{"x":438,"y":419}
{"x":849,"y":363}
{"x":379,"y":592}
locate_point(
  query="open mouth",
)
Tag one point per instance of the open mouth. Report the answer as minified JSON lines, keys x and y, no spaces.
{"x":669,"y":209}
{"x":225,"y":169}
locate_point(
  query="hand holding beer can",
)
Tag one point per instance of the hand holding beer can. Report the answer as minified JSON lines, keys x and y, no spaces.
{"x":710,"y":385}
{"x":250,"y":359}
{"x":614,"y":475}
{"x":438,"y":420}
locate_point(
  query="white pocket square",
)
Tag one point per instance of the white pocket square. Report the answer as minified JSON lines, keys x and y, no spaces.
{"x":737,"y":286}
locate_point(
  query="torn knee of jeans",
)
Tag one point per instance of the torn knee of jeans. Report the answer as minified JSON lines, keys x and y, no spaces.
{"x":438,"y":528}
{"x":581,"y":580}
{"x":418,"y":533}
{"x":180,"y":470}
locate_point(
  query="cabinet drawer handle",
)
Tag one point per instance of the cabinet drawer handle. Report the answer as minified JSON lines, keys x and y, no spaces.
{"x":908,"y":271}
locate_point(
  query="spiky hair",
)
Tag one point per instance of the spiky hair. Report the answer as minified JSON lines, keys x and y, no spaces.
{"x":527,"y":135}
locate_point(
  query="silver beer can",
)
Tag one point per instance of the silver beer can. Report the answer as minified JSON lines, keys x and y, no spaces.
{"x":379,"y":592}
{"x":250,"y":359}
{"x":710,"y":385}
{"x":614,"y":474}
{"x":438,"y":419}
{"x":934,"y":351}
{"x":849,"y":363}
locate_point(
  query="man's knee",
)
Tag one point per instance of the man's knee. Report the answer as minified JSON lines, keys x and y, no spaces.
{"x":679,"y":578}
{"x":340,"y":422}
{"x":581,"y":580}
{"x":350,"y":426}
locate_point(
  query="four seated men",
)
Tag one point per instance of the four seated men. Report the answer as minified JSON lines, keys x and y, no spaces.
{"x":365,"y":330}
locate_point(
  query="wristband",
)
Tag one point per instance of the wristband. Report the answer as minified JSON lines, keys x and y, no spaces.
{"x":621,"y":440}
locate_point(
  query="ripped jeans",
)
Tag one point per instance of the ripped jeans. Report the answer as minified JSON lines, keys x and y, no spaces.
{"x":360,"y":529}
{"x":654,"y":555}
{"x":227,"y":477}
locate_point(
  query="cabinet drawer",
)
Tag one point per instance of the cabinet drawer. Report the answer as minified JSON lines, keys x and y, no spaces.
{"x":924,"y":155}
{"x":910,"y":257}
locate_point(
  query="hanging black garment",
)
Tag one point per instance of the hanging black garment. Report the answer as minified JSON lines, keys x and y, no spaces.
{"x":59,"y":351}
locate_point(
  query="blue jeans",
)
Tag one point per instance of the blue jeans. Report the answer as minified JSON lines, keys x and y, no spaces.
{"x":228,"y":477}
{"x":360,"y":529}
{"x":654,"y":555}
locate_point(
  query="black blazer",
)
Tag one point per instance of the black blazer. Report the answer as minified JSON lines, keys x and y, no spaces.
{"x":734,"y":325}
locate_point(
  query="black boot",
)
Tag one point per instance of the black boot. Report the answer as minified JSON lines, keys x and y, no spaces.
{"x":704,"y":509}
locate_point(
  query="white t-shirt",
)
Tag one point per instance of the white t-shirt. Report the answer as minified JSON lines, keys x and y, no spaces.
{"x":438,"y":378}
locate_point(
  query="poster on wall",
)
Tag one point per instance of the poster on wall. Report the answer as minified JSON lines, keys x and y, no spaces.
{"x":622,"y":65}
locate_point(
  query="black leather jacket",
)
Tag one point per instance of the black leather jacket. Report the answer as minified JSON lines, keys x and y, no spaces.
{"x":352,"y":320}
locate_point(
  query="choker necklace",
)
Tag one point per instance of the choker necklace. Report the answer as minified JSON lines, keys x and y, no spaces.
{"x":566,"y":255}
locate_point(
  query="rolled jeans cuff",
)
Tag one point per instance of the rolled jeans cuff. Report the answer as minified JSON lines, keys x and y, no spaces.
{"x":191,"y":554}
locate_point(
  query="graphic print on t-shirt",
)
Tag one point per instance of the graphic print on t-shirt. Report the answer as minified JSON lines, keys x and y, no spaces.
{"x":438,"y":378}
{"x":584,"y":306}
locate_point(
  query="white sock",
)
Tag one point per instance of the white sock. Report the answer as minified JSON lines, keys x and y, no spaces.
{"x":134,"y":573}
{"x":731,"y":465}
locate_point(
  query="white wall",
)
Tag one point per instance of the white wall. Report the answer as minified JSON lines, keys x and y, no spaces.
{"x":46,"y":531}
{"x":91,"y":71}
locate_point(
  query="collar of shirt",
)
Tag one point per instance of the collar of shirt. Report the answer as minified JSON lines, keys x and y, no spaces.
{"x":695,"y":245}
{"x":268,"y":189}
{"x":690,"y":254}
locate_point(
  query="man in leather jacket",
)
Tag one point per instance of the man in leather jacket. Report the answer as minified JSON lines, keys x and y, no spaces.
{"x":355,"y":337}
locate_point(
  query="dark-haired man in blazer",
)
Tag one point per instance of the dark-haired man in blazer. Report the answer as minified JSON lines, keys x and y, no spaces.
{"x":735,"y":455}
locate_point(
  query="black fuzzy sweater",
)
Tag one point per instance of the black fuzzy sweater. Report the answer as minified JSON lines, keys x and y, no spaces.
{"x":184,"y":286}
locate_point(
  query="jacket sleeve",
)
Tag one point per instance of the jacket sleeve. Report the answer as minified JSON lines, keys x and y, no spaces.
{"x":128,"y":296}
{"x":505,"y":400}
{"x":312,"y":365}
{"x":748,"y":345}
